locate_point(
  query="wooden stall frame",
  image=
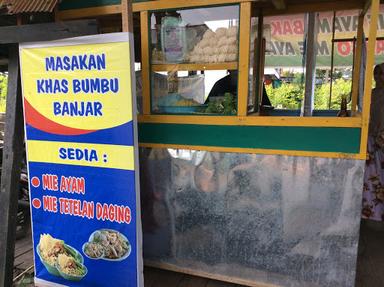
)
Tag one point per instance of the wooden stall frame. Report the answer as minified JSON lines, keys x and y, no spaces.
{"x":354,"y":122}
{"x":244,"y":53}
{"x":357,"y":121}
{"x":166,"y":4}
{"x":126,"y":15}
{"x":139,"y":7}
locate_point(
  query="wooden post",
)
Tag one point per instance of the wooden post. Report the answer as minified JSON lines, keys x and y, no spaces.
{"x":375,"y":8}
{"x":244,"y":51}
{"x":126,"y":13}
{"x":10,"y":175}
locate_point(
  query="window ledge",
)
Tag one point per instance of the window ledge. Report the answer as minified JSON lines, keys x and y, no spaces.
{"x":254,"y":120}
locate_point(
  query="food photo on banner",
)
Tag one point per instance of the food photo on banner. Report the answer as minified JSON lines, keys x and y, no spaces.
{"x":80,"y":126}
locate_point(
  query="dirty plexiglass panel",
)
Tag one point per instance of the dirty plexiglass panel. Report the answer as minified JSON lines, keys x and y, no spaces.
{"x":288,"y":221}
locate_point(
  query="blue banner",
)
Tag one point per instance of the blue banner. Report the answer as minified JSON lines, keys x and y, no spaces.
{"x":82,"y":161}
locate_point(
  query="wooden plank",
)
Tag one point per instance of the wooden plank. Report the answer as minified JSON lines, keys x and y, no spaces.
{"x":24,"y":260}
{"x":244,"y":52}
{"x":10,"y":176}
{"x":215,"y":283}
{"x":193,"y":281}
{"x":24,"y":245}
{"x":150,"y":276}
{"x":194,"y":66}
{"x":47,"y":31}
{"x":375,"y":8}
{"x":229,"y":279}
{"x":89,"y":12}
{"x":127,"y":18}
{"x":167,"y":279}
{"x":23,"y":255}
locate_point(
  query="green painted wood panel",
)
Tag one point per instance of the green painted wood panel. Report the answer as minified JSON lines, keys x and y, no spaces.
{"x":319,"y":139}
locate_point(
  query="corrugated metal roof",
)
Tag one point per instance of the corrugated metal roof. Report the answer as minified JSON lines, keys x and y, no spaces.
{"x":28,"y":6}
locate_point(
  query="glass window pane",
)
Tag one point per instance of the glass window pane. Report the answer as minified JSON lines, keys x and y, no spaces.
{"x":257,"y":94}
{"x":194,"y":57}
{"x":186,"y":92}
{"x":206,"y":35}
{"x":285,"y":64}
{"x":335,"y":58}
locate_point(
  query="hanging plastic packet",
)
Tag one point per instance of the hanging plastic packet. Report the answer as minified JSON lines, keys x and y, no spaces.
{"x":173,"y":39}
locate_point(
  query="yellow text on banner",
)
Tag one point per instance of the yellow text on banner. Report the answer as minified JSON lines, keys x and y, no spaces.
{"x":82,"y":154}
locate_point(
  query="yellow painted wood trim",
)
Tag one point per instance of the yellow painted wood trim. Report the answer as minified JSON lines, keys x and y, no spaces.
{"x":145,"y":66}
{"x":244,"y":51}
{"x":256,"y":151}
{"x":369,"y":76}
{"x":89,"y":12}
{"x":138,"y":7}
{"x":315,"y":7}
{"x":357,"y":64}
{"x":230,"y":279}
{"x":170,"y":4}
{"x":194,"y":66}
{"x":353,"y":122}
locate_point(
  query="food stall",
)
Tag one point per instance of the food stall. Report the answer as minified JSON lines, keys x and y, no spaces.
{"x":231,"y":187}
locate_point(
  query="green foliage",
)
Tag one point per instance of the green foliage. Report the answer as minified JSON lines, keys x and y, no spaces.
{"x":289,"y":96}
{"x":225,"y":106}
{"x":340,"y":88}
{"x":3,"y":91}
